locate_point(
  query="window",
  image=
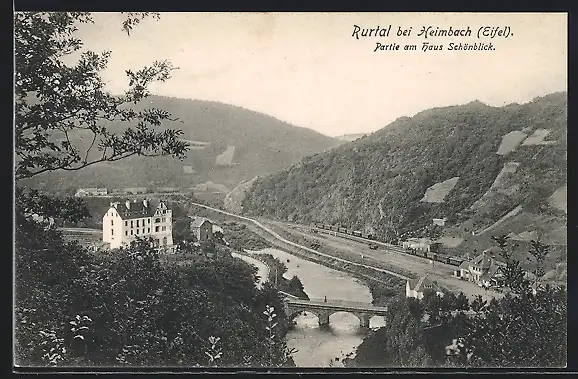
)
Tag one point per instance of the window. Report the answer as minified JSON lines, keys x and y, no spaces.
{"x":126,"y":232}
{"x":158,"y":220}
{"x":164,"y":228}
{"x":131,"y":232}
{"x":137,"y":223}
{"x":126,"y":223}
{"x":149,"y":220}
{"x":112,"y":222}
{"x":156,"y":228}
{"x":112,"y":232}
{"x":137,"y":231}
{"x":148,"y":230}
{"x":131,"y":223}
{"x":164,"y":219}
{"x":142,"y":230}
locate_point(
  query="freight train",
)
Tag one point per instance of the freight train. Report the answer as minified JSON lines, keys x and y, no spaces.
{"x":434,"y":256}
{"x":356,"y":233}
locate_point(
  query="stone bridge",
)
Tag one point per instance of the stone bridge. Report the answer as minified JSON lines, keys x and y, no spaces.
{"x":324,"y":308}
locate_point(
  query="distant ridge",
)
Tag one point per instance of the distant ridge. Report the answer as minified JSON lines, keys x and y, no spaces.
{"x":471,"y":164}
{"x":230,"y":145}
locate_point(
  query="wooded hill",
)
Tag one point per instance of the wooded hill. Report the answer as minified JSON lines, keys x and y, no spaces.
{"x":440,"y":163}
{"x":229,"y":144}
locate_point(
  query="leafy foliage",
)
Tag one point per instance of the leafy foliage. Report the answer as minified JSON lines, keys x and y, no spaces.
{"x":129,"y":308}
{"x":525,"y":328}
{"x":54,"y":102}
{"x":125,"y":307}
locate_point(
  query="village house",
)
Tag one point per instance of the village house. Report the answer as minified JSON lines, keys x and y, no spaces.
{"x":124,"y":222}
{"x":440,"y":221}
{"x":202,"y":229}
{"x":82,"y":192}
{"x":483,"y":270}
{"x":421,"y":244}
{"x":416,"y":287}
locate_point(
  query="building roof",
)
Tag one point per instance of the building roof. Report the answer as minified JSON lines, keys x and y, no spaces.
{"x":492,"y":271}
{"x":421,"y":284}
{"x":465,"y":265}
{"x":137,"y":209}
{"x":198,"y":221}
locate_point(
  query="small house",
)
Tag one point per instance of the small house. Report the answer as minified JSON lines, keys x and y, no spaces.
{"x":421,"y":244}
{"x":416,"y":287}
{"x":202,"y":229}
{"x":440,"y":221}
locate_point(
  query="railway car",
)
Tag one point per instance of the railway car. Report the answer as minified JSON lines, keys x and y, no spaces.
{"x":334,"y":228}
{"x":357,"y":233}
{"x":430,"y":255}
{"x":370,"y":237}
{"x":342,"y":230}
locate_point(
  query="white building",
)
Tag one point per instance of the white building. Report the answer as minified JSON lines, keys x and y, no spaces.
{"x":440,"y":221}
{"x":416,"y":287}
{"x":124,"y":222}
{"x":421,"y":244}
{"x":483,"y":270}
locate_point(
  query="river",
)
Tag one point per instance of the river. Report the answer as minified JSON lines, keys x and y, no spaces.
{"x":316,"y":347}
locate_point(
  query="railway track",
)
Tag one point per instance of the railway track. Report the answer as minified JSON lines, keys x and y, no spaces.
{"x":286,"y":241}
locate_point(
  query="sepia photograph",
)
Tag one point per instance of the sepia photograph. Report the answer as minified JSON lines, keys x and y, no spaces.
{"x":246,"y":191}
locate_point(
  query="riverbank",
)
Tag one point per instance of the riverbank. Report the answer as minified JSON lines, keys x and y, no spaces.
{"x":324,"y":346}
{"x":382,"y":285}
{"x":276,"y":275}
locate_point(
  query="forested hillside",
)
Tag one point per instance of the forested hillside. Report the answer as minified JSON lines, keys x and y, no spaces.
{"x":229,"y":144}
{"x":440,"y":163}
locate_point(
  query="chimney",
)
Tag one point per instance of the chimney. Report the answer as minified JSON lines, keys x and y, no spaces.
{"x":127,"y":204}
{"x":145,"y":202}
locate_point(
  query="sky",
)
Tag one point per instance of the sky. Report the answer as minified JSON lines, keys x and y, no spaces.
{"x":309,"y":70}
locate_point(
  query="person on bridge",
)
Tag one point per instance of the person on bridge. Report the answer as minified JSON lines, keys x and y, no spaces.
{"x":325,"y":299}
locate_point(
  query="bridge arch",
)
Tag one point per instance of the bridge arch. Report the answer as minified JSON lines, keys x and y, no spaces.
{"x":361,"y":317}
{"x":324,"y":310}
